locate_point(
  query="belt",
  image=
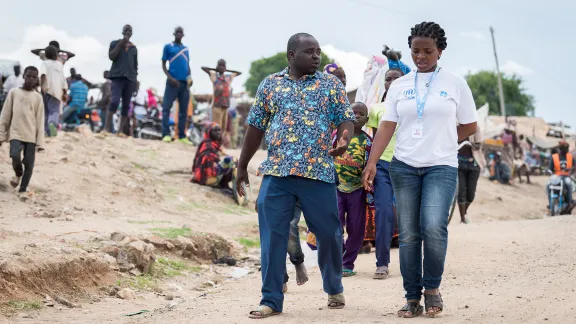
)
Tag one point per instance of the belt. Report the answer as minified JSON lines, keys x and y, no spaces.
{"x":465,"y":159}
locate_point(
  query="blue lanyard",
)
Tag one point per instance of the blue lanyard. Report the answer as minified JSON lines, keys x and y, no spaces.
{"x":421,"y":103}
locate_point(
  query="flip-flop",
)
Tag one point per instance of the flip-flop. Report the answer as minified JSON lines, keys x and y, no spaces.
{"x":348,"y":273}
{"x":433,"y":301}
{"x":381,"y":273}
{"x":414,"y":308}
{"x":336,"y":301}
{"x":262,"y":311}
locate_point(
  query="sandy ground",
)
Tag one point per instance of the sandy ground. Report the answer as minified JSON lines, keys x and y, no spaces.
{"x":505,"y":272}
{"x":511,"y":261}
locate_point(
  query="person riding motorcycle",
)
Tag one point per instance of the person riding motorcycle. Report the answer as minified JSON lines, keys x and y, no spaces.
{"x":562,"y":165}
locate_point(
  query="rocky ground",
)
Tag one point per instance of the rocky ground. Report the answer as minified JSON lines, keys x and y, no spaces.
{"x":113,"y":227}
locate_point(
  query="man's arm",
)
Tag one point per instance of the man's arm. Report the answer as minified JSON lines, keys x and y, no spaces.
{"x":211,"y":72}
{"x":115,"y":49}
{"x":6,"y":117}
{"x":40,"y":124}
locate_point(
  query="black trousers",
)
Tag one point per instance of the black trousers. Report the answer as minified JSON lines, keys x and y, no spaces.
{"x":468,"y":175}
{"x":23,"y":167}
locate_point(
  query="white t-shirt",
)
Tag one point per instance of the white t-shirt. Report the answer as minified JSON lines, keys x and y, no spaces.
{"x":449,"y":103}
{"x":13,"y":81}
{"x":55,"y":80}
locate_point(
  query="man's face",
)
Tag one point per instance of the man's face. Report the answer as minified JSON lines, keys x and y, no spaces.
{"x":306,"y":57}
{"x":178,"y":34}
{"x":30,"y":79}
{"x":221,"y":67}
{"x":17,"y":70}
{"x":72,"y":72}
{"x":127,"y":31}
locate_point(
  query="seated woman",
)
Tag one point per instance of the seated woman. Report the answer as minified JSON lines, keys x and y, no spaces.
{"x":211,"y":167}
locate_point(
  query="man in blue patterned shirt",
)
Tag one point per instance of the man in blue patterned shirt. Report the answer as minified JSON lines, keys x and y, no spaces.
{"x":297,"y":110}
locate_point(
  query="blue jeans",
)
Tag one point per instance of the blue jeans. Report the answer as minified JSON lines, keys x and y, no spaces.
{"x":122,"y":89}
{"x":276,"y":207}
{"x":384,"y":218}
{"x":170,"y":94}
{"x":423,"y":199}
{"x":294,"y":247}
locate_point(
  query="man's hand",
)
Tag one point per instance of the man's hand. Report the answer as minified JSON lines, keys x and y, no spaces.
{"x":174,"y":82}
{"x":242,"y":178}
{"x":39,"y":149}
{"x":341,"y":145}
{"x":190,"y":82}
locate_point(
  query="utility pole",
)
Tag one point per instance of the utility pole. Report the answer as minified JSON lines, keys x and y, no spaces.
{"x":500,"y":90}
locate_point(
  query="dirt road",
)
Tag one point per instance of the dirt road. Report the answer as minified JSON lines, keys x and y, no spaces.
{"x":505,"y":272}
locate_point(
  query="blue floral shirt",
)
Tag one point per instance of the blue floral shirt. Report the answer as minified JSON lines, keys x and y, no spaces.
{"x":299,"y":118}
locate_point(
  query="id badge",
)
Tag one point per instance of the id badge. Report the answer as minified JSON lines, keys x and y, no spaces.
{"x":417,"y":130}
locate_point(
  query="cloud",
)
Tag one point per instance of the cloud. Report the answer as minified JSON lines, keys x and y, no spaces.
{"x":477,"y":35}
{"x":353,"y":63}
{"x":91,"y":55}
{"x":513,"y":67}
{"x":465,"y":70}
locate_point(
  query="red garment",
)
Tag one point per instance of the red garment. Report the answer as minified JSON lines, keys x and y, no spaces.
{"x":222,"y":91}
{"x":207,"y":158}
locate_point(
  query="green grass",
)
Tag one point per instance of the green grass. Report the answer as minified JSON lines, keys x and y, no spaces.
{"x":188,"y":206}
{"x":147,"y":222}
{"x":235,"y":210}
{"x":249,"y":243}
{"x":139,"y":166}
{"x":162,"y":269}
{"x":24,"y":305}
{"x":171,"y":232}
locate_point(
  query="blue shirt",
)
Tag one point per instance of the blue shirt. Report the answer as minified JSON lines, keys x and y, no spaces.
{"x":79,"y":94}
{"x":178,"y":57}
{"x":399,"y":65}
{"x":299,"y":118}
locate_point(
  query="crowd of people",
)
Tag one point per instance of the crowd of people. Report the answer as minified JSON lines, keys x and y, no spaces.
{"x":386,"y":165}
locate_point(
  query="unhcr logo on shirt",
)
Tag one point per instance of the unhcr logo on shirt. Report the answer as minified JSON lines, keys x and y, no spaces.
{"x":443,"y":93}
{"x":409,"y":94}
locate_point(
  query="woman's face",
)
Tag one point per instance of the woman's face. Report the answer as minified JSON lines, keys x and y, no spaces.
{"x":390,"y":77}
{"x":425,"y":53}
{"x":216,"y":133}
{"x":341,"y":75}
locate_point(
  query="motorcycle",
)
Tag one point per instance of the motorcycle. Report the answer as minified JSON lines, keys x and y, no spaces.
{"x":558,"y":197}
{"x":150,"y":127}
{"x":90,"y":117}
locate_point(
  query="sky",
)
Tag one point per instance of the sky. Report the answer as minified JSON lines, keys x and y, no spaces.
{"x":531,"y":39}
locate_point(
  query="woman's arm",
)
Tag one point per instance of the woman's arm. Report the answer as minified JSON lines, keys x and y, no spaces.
{"x":466,"y":130}
{"x":381,"y":140}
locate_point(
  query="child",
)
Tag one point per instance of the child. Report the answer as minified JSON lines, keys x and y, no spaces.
{"x":54,"y":86}
{"x":22,"y":123}
{"x":351,"y":196}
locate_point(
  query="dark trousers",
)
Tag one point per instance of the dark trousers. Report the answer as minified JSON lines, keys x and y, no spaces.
{"x":182,"y":93}
{"x":276,"y":205}
{"x":468,"y":175}
{"x":122,"y":89}
{"x":294,"y":247}
{"x":352,"y":215}
{"x":23,"y":167}
{"x":384,"y":217}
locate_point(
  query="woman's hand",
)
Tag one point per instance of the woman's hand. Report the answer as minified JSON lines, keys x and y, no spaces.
{"x":368,"y":176}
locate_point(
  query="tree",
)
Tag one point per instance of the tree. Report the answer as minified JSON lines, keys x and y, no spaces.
{"x":263,"y":67}
{"x":484,"y":86}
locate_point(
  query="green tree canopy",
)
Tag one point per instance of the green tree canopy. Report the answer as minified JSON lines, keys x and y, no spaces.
{"x":263,"y":67}
{"x":484,"y":86}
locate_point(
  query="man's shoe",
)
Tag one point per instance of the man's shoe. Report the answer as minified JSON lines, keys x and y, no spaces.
{"x":185,"y":141}
{"x":167,"y":139}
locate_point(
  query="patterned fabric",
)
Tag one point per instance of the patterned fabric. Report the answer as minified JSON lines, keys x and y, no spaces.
{"x":350,"y":165}
{"x":299,"y":118}
{"x":330,"y":68}
{"x":222,"y":90}
{"x":79,"y":94}
{"x":207,"y":158}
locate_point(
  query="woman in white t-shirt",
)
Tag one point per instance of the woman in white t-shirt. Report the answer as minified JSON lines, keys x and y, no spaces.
{"x":433,"y":110}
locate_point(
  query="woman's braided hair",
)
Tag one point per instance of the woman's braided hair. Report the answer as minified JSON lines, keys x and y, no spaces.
{"x":429,"y":30}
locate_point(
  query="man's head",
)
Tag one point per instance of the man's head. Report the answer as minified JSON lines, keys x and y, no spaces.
{"x":361,"y":113}
{"x":51,"y":53}
{"x":73,"y":73}
{"x":55,"y":44}
{"x":105,"y":74}
{"x":127,"y":31}
{"x":78,"y":77}
{"x":30,"y":78}
{"x":178,"y":34}
{"x":16,"y":70}
{"x":221,"y":66}
{"x":563,"y":147}
{"x":303,"y":52}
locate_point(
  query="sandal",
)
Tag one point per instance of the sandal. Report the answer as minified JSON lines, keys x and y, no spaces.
{"x":336,"y":301}
{"x":381,"y":273}
{"x":433,"y":301}
{"x":414,"y":308}
{"x":262,"y":311}
{"x":348,"y":273}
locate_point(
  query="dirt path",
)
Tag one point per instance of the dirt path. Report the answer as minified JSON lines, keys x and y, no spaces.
{"x":505,"y":272}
